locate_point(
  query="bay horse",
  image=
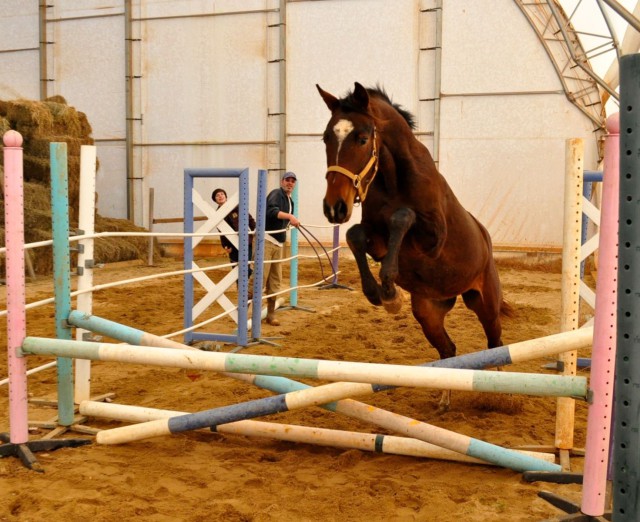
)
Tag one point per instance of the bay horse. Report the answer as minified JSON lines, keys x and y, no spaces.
{"x":412,"y":222}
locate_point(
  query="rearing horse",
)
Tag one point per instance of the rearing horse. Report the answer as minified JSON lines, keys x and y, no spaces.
{"x":412,"y":222}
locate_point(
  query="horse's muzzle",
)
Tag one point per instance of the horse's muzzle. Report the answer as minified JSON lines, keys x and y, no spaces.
{"x":338,"y":213}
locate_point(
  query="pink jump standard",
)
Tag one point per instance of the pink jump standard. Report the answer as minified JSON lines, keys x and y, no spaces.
{"x":604,"y":333}
{"x":16,"y":313}
{"x":17,"y":443}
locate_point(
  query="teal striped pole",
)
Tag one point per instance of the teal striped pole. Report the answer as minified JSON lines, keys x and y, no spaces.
{"x":62,"y":275}
{"x":372,"y":373}
{"x":293,"y":277}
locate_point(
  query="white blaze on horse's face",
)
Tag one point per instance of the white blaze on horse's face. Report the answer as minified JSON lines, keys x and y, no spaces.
{"x":342,"y":129}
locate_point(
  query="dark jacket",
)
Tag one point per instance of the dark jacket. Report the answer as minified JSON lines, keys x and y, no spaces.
{"x":233,"y":219}
{"x":277,"y":201}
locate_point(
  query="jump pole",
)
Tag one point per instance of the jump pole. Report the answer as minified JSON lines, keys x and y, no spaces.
{"x":293,"y":275}
{"x":16,"y":313}
{"x":294,"y":263}
{"x":351,"y":372}
{"x":455,"y":442}
{"x":258,"y":256}
{"x":315,"y":396}
{"x":500,"y":356}
{"x":86,"y":223}
{"x":573,"y":188}
{"x":377,"y":443}
{"x":518,"y":352}
{"x":62,"y":275}
{"x":336,"y":260}
{"x":626,"y":446}
{"x":600,"y":414}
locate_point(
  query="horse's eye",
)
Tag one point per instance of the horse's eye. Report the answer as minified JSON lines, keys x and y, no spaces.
{"x":362,"y":140}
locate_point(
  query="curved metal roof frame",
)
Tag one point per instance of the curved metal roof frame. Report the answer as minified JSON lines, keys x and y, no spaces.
{"x":562,"y":43}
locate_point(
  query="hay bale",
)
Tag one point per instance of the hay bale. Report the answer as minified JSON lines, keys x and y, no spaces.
{"x":30,"y":118}
{"x":57,"y":98}
{"x":4,"y":125}
{"x":39,"y":147}
{"x":40,"y":124}
{"x":65,"y":119}
{"x":36,"y":169}
{"x":110,"y":250}
{"x":84,"y":124}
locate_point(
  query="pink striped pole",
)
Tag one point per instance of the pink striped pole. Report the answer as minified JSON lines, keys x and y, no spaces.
{"x":16,"y":312}
{"x":604,"y":333}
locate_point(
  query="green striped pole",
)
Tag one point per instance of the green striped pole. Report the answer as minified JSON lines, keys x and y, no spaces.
{"x":62,"y":275}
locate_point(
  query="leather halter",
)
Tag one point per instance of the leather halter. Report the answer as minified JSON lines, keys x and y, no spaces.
{"x":359,"y":179}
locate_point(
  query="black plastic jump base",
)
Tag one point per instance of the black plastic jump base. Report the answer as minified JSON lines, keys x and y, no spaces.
{"x":25,"y":451}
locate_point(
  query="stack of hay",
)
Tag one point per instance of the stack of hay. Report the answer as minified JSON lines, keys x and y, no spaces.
{"x":41,"y":123}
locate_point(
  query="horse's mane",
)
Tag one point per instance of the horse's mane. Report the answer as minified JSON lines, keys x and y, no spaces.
{"x":348,"y":104}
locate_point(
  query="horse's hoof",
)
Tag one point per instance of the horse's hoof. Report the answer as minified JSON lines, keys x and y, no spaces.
{"x":395,"y":305}
{"x":443,"y":407}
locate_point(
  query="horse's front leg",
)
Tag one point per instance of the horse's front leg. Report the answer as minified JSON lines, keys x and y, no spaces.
{"x":357,"y":241}
{"x":399,"y":224}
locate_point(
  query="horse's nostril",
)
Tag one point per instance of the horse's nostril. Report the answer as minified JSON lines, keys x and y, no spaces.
{"x":341,"y":209}
{"x":325,"y":207}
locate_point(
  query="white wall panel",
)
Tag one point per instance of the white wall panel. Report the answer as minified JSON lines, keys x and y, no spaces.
{"x":336,"y":43}
{"x":204,"y":79}
{"x":20,"y":69}
{"x":178,"y":8}
{"x":89,"y":71}
{"x":19,"y":25}
{"x":111,"y":179}
{"x":504,"y":157}
{"x":19,"y":75}
{"x":489,"y":46}
{"x":86,"y":9}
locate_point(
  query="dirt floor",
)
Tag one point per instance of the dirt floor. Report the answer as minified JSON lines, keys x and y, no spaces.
{"x":200,"y":475}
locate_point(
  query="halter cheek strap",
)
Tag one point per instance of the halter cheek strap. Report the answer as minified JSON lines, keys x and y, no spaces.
{"x":359,"y":180}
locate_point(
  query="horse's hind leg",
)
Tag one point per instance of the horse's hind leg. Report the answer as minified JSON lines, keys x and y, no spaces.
{"x":400,"y":223}
{"x":430,"y":314}
{"x":486,"y":305}
{"x":357,"y":241}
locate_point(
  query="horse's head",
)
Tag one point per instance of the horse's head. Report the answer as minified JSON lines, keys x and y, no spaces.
{"x":352,"y":158}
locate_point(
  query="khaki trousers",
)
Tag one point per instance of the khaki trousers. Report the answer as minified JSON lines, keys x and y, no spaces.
{"x":272,"y":273}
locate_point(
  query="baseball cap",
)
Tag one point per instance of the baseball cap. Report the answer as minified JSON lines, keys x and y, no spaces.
{"x":289,"y":175}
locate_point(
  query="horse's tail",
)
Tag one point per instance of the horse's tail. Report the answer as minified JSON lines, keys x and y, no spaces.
{"x":506,"y":310}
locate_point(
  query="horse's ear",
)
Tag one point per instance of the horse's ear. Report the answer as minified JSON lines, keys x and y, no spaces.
{"x":332,"y":102}
{"x":361,"y":96}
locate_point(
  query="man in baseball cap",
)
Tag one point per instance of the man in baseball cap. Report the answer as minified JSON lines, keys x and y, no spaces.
{"x":279,"y":216}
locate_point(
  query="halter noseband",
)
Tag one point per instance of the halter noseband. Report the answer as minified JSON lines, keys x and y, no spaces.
{"x":359,"y":179}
